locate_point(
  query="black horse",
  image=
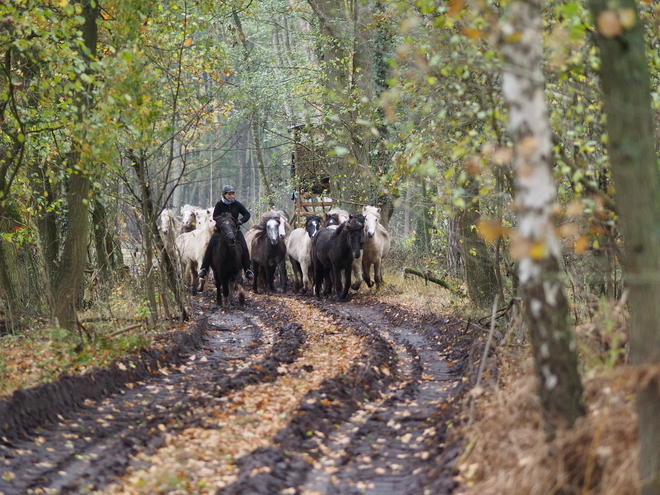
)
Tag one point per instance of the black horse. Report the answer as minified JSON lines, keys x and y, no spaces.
{"x":268,"y":251}
{"x":333,"y":251}
{"x":226,"y":261}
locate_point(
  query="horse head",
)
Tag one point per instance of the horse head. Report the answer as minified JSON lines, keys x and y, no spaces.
{"x":335,"y":216}
{"x":371,"y":219}
{"x":273,"y":230}
{"x":355,"y":227}
{"x":188,"y":218}
{"x":312,"y":225}
{"x":226,"y":226}
{"x":204,"y":219}
{"x":166,"y":221}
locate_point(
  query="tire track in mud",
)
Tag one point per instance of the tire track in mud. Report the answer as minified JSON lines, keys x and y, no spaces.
{"x":395,"y":447}
{"x":369,"y":423}
{"x":248,"y":425}
{"x":386,"y":437}
{"x":92,"y":444}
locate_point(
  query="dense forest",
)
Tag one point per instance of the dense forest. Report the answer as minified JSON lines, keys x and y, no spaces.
{"x":511,"y":147}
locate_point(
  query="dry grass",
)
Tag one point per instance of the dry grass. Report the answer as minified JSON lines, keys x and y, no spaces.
{"x":505,"y":446}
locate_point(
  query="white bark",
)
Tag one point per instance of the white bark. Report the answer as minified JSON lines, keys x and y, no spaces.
{"x":535,"y":246}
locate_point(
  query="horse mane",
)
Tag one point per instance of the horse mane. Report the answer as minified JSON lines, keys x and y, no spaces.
{"x":315,"y":216}
{"x":371,"y":209}
{"x":260,"y":228}
{"x":222,"y":216}
{"x":274,"y":214}
{"x":355,"y":222}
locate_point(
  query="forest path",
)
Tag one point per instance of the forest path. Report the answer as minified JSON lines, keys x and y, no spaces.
{"x":287,"y":395}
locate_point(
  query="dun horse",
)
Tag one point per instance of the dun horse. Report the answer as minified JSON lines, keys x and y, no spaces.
{"x":376,"y":247}
{"x":299,"y":248}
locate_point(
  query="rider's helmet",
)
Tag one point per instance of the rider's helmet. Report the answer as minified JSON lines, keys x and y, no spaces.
{"x":228,"y":189}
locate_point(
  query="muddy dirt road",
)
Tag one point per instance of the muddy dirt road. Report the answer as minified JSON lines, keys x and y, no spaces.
{"x":290,"y":395}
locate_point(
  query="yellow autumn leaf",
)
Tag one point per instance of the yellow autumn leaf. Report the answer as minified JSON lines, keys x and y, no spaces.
{"x":491,"y":231}
{"x":455,"y":6}
{"x":581,"y":244}
{"x":61,"y":3}
{"x":538,"y":251}
{"x":472,"y":33}
{"x":188,"y":42}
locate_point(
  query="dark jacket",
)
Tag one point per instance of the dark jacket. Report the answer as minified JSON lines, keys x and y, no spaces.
{"x":236,"y":208}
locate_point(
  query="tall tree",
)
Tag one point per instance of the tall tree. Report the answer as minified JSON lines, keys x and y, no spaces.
{"x":626,"y":86}
{"x":536,"y":246}
{"x":70,"y":271}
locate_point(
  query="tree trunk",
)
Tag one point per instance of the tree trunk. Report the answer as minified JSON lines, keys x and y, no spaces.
{"x":255,"y":120}
{"x":535,"y":245}
{"x":479,"y":270}
{"x":631,"y":144}
{"x":149,"y":229}
{"x":70,"y":271}
{"x":256,"y":142}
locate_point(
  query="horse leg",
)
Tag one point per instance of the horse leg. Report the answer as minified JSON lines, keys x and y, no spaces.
{"x":255,"y":269}
{"x":269,"y":275}
{"x":284,"y":279}
{"x":378,"y":272}
{"x":336,"y":273}
{"x":241,"y":293}
{"x":318,"y":279}
{"x":328,"y":282}
{"x":367,"y":273}
{"x":225,"y":293}
{"x":195,"y":278}
{"x":358,"y":272}
{"x":347,"y":272}
{"x":298,"y":275}
{"x":304,"y":273}
{"x":218,"y":288}
{"x":219,"y":296}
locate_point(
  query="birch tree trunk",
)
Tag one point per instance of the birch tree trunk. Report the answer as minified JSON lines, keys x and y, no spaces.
{"x":631,"y":144}
{"x":535,"y":245}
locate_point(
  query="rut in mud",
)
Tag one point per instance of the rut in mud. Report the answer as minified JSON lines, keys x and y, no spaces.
{"x":289,"y":395}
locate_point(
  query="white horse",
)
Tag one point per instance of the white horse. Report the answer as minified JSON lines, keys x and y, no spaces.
{"x":299,"y":248}
{"x":376,"y":247}
{"x":191,"y":246}
{"x":169,"y":228}
{"x":188,"y":218}
{"x":169,"y":224}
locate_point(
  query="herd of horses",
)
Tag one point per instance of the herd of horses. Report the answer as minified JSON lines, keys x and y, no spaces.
{"x":333,"y":252}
